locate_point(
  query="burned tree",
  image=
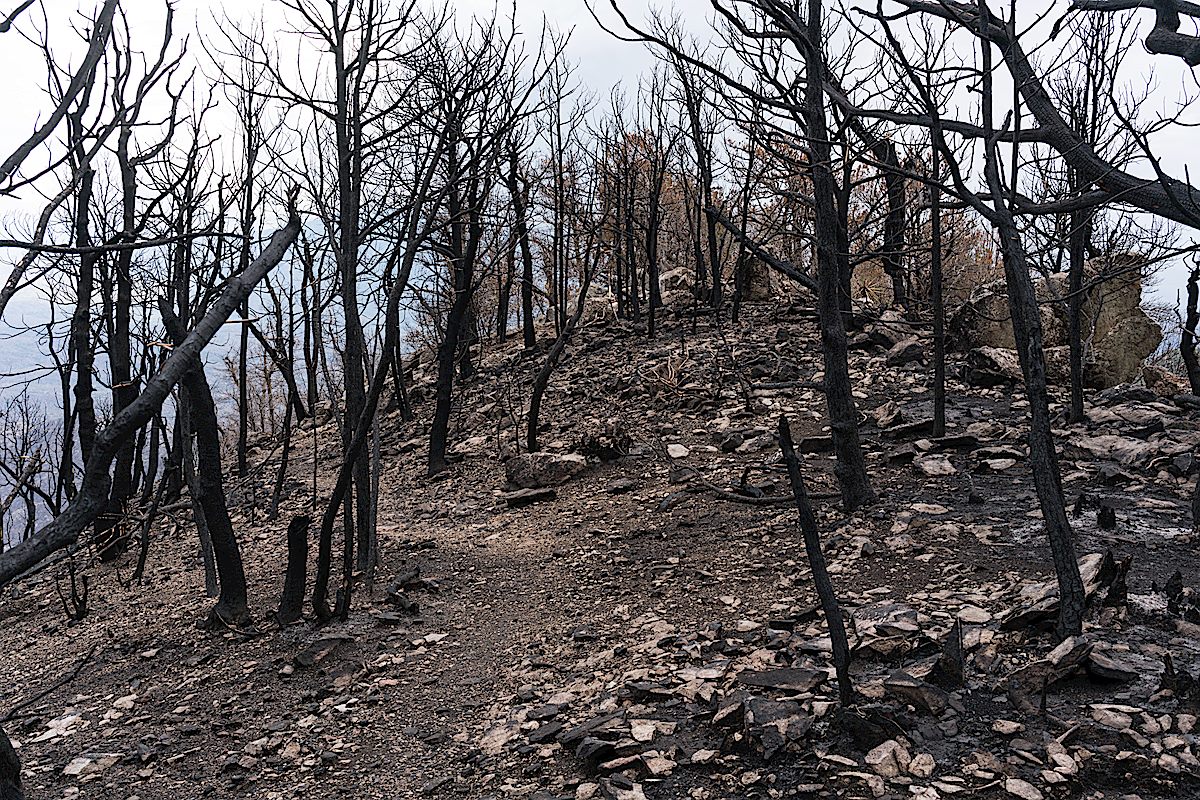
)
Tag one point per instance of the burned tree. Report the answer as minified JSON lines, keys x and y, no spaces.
{"x":816,"y":562}
{"x":88,"y":504}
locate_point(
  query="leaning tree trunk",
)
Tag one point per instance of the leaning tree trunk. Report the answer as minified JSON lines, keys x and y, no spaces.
{"x":285,"y":365}
{"x":90,"y":501}
{"x":816,"y":560}
{"x":1028,"y":335}
{"x":231,"y":607}
{"x":552,"y":358}
{"x":464,"y":237}
{"x":354,"y":449}
{"x":1043,"y":459}
{"x":147,"y":523}
{"x":284,"y":458}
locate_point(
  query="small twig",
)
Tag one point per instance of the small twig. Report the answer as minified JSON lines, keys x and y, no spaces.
{"x":12,"y":714}
{"x":702,"y":484}
{"x":815,"y":386}
{"x":215,"y":619}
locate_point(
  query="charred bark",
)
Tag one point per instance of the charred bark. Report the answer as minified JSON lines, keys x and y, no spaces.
{"x":1187,"y":337}
{"x":10,"y":771}
{"x":231,"y":607}
{"x":843,"y":415}
{"x":65,"y":528}
{"x":816,"y":560}
{"x":1077,"y":294}
{"x":291,"y":598}
{"x":937,"y":299}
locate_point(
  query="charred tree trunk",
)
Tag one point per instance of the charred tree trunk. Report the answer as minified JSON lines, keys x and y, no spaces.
{"x":81,"y":324}
{"x":1043,"y":459}
{"x":231,"y":607}
{"x":520,"y":195}
{"x":464,"y":239}
{"x":842,"y":242}
{"x":401,"y":390}
{"x":444,"y":388}
{"x":291,"y":599}
{"x":284,"y":458}
{"x":243,"y":429}
{"x":816,"y":560}
{"x":467,"y":341}
{"x":144,"y":537}
{"x":285,"y":366}
{"x":893,"y":228}
{"x":10,"y":771}
{"x":1078,"y":241}
{"x":348,"y":134}
{"x":542,"y":380}
{"x":618,"y":252}
{"x":1196,"y":507}
{"x":109,"y":541}
{"x":310,"y":292}
{"x":191,"y":478}
{"x":654,"y":295}
{"x":354,"y":449}
{"x":843,"y":416}
{"x":504,"y":284}
{"x":937,"y":299}
{"x":741,"y":264}
{"x":1187,"y":337}
{"x":1027,"y":332}
{"x":250,"y":148}
{"x":631,"y":266}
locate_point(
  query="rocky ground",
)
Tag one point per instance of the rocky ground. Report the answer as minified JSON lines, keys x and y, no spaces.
{"x":632,"y":615}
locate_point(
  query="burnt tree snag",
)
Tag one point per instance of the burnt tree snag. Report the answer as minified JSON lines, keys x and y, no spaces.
{"x":64,"y":530}
{"x":816,"y":561}
{"x":291,"y":599}
{"x":231,"y":607}
{"x":10,"y":771}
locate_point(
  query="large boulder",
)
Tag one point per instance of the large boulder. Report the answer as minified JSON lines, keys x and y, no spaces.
{"x":600,"y":305}
{"x":677,"y":287}
{"x":679,"y":279}
{"x":906,"y":352}
{"x":539,"y":470}
{"x":1118,"y":335}
{"x":1120,"y":350}
{"x":890,"y":329}
{"x":992,"y":366}
{"x":1163,"y":382}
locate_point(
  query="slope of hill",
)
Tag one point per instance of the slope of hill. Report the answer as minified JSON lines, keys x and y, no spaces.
{"x":650,"y":630}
